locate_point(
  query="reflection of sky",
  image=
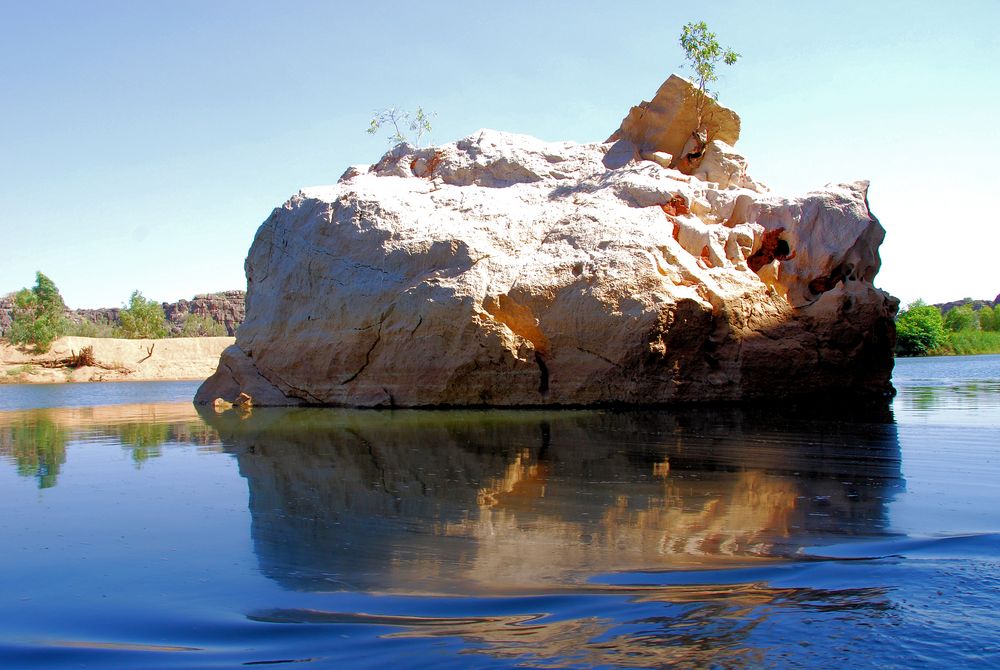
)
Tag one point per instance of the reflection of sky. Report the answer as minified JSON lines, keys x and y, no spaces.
{"x":34,"y":396}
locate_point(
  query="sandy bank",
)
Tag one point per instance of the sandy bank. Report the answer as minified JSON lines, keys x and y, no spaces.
{"x":182,"y":358}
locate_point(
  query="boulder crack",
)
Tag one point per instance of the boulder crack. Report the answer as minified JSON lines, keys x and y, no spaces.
{"x":368,"y":354}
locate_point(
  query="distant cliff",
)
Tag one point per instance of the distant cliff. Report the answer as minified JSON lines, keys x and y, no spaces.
{"x":6,"y":307}
{"x":976,"y":304}
{"x":227,"y":308}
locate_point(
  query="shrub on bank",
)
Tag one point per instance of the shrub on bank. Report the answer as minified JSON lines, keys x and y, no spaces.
{"x":38,"y":315}
{"x":919,"y":330}
{"x":968,"y":342}
{"x":100,"y":328}
{"x":142,"y":319}
{"x":197,"y":325}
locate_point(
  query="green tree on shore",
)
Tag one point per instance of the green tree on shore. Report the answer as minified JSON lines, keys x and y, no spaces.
{"x":989,"y":318}
{"x":961,"y":318}
{"x":39,"y":315}
{"x":198,"y":325}
{"x":919,"y":330}
{"x":142,"y":319}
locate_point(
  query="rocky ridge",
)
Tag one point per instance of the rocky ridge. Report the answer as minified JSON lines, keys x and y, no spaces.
{"x":976,"y":304}
{"x":503,"y":270}
{"x":228,"y":308}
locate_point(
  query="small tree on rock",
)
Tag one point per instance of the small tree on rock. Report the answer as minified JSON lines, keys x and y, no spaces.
{"x":142,"y":318}
{"x":703,"y":53}
{"x":399,"y":121}
{"x":39,"y":315}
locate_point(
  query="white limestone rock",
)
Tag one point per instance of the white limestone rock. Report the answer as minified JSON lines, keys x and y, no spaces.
{"x":726,"y":167}
{"x":502,"y":270}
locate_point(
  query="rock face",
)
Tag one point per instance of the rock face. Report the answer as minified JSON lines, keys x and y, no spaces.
{"x":6,"y":309}
{"x":227,"y":308}
{"x":503,"y":270}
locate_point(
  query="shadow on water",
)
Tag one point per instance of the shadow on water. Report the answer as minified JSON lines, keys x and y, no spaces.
{"x":498,"y":501}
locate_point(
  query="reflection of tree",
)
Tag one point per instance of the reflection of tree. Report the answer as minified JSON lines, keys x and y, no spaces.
{"x":143,"y":439}
{"x":966,"y":395}
{"x":37,"y":445}
{"x":36,"y":440}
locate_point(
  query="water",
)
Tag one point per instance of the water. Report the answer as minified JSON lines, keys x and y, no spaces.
{"x":137,"y":533}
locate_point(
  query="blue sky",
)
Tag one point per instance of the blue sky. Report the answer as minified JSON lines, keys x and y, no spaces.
{"x":144,"y":142}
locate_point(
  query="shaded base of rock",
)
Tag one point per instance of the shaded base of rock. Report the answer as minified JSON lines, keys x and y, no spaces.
{"x":237,"y":375}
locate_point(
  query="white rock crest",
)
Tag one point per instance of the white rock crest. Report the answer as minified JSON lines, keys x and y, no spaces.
{"x":502,"y":270}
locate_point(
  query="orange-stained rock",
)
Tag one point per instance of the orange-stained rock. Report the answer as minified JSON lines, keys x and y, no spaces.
{"x":666,"y":122}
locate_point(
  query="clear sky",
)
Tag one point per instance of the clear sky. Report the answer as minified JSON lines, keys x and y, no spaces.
{"x":143,"y":143}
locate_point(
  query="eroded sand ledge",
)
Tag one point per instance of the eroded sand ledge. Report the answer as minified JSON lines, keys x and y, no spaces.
{"x":173,"y":359}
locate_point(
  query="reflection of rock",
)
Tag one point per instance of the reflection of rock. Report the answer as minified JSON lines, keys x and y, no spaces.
{"x":694,"y":627}
{"x":501,"y":270}
{"x":711,"y":626}
{"x":425,"y":500}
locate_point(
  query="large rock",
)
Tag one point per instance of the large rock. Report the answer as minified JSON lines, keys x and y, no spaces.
{"x":502,"y":270}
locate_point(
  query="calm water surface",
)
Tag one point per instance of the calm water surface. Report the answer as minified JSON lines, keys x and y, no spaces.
{"x":136,"y":532}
